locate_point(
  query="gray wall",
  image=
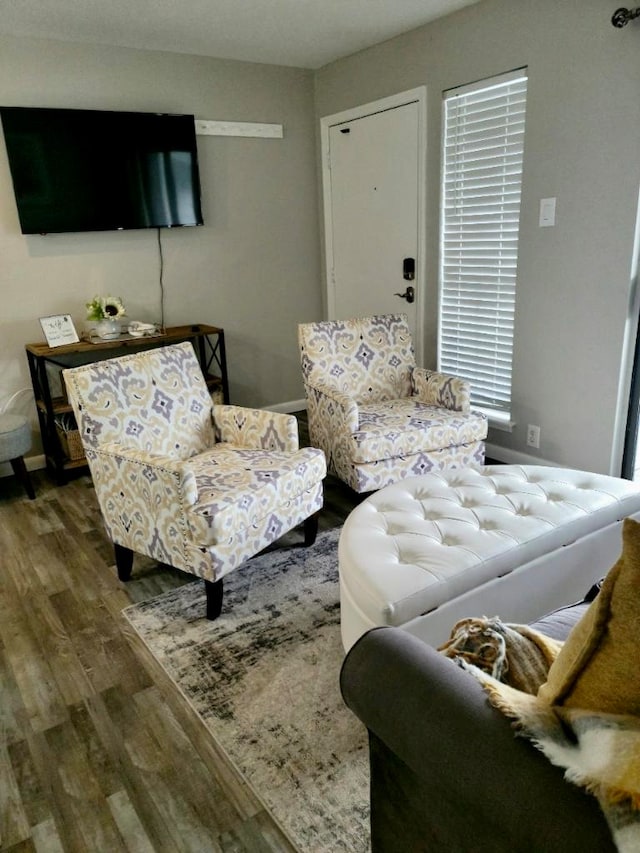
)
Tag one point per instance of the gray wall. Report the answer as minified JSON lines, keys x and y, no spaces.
{"x":254,"y":266}
{"x":582,"y":146}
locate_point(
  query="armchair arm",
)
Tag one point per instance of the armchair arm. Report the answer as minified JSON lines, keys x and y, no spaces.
{"x":437,"y":742}
{"x":142,"y":498}
{"x":344,"y":407}
{"x":255,"y":428}
{"x":441,"y":389}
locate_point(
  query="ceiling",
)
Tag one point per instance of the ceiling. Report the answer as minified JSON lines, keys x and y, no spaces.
{"x":302,"y":33}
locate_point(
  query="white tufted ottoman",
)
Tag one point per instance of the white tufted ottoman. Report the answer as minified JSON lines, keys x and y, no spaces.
{"x":507,"y":540}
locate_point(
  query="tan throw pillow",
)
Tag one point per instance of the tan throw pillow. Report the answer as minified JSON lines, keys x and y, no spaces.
{"x":598,"y":667}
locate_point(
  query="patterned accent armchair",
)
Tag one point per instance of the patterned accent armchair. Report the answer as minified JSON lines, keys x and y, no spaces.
{"x":377,"y":416}
{"x":198,"y":486}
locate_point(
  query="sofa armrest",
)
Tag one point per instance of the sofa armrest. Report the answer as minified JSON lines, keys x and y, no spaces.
{"x":258,"y":429}
{"x":441,"y":389}
{"x":473,"y":778}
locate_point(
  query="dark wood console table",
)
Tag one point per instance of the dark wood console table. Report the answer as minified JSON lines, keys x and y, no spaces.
{"x":46,"y":364}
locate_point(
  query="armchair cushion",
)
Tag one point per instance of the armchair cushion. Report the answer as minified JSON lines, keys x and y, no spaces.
{"x":234,"y":488}
{"x":405,"y":427}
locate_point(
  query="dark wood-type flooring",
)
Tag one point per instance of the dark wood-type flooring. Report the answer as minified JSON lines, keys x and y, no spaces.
{"x":98,"y":751}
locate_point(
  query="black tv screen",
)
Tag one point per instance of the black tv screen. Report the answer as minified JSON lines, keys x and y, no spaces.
{"x":95,"y":170}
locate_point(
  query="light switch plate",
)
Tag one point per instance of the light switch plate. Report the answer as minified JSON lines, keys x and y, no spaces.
{"x":547,"y":212}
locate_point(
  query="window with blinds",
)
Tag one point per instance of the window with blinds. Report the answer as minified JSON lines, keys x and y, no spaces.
{"x":483,"y":142}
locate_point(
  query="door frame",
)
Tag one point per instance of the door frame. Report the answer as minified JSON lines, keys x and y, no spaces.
{"x":624,"y":455}
{"x":419,"y":96}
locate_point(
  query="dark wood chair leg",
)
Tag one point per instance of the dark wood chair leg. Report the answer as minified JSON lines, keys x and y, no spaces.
{"x":20,"y":470}
{"x":310,"y":529}
{"x":213,"y":590}
{"x":124,"y":562}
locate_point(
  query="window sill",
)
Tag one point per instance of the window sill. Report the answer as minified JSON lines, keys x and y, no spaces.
{"x":497,"y":420}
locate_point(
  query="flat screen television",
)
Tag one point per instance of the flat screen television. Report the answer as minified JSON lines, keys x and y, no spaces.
{"x":98,"y":170}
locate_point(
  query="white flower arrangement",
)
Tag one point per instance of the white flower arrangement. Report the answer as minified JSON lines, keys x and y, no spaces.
{"x":105,"y":308}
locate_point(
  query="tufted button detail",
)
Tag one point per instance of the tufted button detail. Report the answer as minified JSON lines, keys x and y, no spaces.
{"x":421,"y":494}
{"x":432,"y":515}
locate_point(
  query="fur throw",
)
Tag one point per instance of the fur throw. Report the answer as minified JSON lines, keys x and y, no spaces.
{"x":599,"y":752}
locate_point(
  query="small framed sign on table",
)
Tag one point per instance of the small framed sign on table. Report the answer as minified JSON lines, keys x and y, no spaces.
{"x":59,"y":329}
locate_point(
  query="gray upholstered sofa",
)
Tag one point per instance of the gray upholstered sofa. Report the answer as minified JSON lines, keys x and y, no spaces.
{"x":447,"y":772}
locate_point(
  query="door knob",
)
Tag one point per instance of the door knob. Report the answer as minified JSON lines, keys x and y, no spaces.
{"x":409,"y":294}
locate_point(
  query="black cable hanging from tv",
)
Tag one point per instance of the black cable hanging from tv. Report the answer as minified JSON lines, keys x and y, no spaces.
{"x":161,"y":279}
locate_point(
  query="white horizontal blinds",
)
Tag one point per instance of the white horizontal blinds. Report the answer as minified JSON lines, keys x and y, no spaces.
{"x":481,"y":180}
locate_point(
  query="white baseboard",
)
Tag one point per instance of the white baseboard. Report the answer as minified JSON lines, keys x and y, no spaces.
{"x":33,"y":463}
{"x":289,"y":407}
{"x":516,"y":457}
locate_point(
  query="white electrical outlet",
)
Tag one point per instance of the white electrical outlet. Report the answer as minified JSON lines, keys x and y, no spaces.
{"x":533,"y":435}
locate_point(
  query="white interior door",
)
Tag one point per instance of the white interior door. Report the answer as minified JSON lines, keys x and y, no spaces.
{"x":373,"y":204}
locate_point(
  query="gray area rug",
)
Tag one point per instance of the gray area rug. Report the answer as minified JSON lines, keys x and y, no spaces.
{"x":264,"y":678}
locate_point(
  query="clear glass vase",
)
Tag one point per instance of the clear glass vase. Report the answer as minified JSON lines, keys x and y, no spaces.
{"x":108,"y":329}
